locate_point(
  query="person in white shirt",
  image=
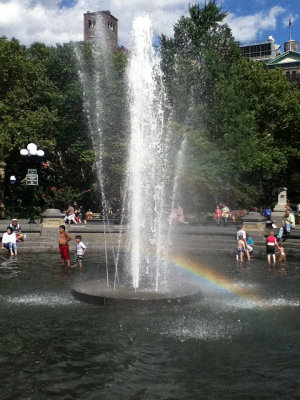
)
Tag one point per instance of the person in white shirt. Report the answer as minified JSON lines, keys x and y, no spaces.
{"x":241,"y":232}
{"x":80,"y":250}
{"x":9,"y":241}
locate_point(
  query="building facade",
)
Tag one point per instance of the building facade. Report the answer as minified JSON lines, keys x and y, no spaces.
{"x":289,"y":62}
{"x":262,"y":52}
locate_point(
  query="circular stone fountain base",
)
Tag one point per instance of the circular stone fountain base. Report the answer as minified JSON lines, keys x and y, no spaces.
{"x":97,"y":292}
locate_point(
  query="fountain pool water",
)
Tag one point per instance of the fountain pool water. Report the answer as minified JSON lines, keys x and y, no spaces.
{"x":224,"y":346}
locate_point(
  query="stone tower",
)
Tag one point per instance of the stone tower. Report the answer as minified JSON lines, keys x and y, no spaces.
{"x":101,"y":24}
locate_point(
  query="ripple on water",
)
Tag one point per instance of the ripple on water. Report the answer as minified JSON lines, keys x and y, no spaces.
{"x":202,"y":329}
{"x":47,"y":299}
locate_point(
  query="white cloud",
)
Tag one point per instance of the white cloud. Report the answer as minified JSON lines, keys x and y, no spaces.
{"x":248,"y":28}
{"x":43,"y":20}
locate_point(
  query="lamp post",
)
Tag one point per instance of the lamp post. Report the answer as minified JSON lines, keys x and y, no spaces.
{"x":32,"y":178}
{"x":12,"y":180}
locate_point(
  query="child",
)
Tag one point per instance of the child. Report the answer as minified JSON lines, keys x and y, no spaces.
{"x":9,"y":241}
{"x":218,"y":214}
{"x":241,"y":248}
{"x":271,"y":244}
{"x":282,"y":255}
{"x":63,"y":241}
{"x":250,"y":244}
{"x":80,"y":250}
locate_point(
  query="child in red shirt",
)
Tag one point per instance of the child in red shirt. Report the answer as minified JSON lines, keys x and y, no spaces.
{"x":218,"y":214}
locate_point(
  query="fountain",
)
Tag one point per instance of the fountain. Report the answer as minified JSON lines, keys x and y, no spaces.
{"x":147,"y":273}
{"x":239,"y":341}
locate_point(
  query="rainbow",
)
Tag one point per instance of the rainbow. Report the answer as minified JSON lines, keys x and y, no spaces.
{"x":202,"y":273}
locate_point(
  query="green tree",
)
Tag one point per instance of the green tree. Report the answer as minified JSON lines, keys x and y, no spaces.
{"x":238,"y":118}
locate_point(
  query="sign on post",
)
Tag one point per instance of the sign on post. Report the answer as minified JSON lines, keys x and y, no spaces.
{"x":32,"y":171}
{"x":32,"y":179}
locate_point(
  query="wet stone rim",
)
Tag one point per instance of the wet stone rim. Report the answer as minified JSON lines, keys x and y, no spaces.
{"x":96,"y":292}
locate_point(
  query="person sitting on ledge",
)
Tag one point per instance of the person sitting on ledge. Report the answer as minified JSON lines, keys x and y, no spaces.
{"x":20,"y":236}
{"x":15,"y":225}
{"x":288,"y":223}
{"x":9,"y":241}
{"x":89,"y":214}
{"x":70,"y":215}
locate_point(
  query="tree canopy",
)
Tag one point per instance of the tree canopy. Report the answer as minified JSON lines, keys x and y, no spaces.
{"x":238,"y":118}
{"x":41,"y":101}
{"x":236,"y":122}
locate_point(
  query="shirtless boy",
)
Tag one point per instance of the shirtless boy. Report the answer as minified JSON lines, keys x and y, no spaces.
{"x":241,"y":248}
{"x":63,"y":241}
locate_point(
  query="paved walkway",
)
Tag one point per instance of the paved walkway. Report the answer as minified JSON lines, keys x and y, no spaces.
{"x":189,"y":239}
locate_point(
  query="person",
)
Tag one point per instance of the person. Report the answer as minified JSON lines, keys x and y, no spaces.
{"x":89,"y":214}
{"x":174,"y":217}
{"x":83,"y":215}
{"x":20,"y":236}
{"x":63,"y":241}
{"x":282,"y":255}
{"x":250,"y":244}
{"x":270,"y":224}
{"x":80,"y":250}
{"x":9,"y":242}
{"x":70,"y":215}
{"x":218,"y":214}
{"x":271,"y":244}
{"x":267,"y":213}
{"x":298,"y":208}
{"x":241,"y":247}
{"x":288,"y":223}
{"x":241,"y":232}
{"x":225,"y":213}
{"x":15,"y":225}
{"x":77,"y":212}
{"x":180,"y":215}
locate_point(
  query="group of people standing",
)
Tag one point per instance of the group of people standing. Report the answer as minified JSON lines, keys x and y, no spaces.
{"x":63,"y":243}
{"x":245,"y":247}
{"x":222,"y":212}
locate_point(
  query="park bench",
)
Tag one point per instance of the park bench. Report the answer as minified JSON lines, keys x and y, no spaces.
{"x":98,"y":220}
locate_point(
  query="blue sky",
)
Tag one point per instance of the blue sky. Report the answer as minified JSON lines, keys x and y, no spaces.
{"x":259,"y":11}
{"x":58,"y":21}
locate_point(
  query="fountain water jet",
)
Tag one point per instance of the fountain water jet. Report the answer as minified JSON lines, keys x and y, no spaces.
{"x":149,"y":189}
{"x":148,"y":159}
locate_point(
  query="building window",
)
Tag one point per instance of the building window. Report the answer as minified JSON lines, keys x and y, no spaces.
{"x":92,"y":23}
{"x":288,"y":74}
{"x":294,"y":75}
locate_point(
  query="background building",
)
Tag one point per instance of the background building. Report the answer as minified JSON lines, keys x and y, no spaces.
{"x":289,"y":62}
{"x":264,"y":52}
{"x":101,"y":25}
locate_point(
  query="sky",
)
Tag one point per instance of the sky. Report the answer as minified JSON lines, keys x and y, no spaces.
{"x":60,"y":21}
